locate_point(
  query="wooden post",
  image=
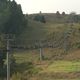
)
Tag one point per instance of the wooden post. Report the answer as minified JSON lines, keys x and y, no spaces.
{"x":41,"y":55}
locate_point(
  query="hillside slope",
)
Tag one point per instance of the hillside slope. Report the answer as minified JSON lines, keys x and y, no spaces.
{"x":56,"y":63}
{"x":37,"y":31}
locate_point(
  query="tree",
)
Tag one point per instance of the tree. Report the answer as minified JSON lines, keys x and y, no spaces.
{"x":3,"y":18}
{"x":2,"y":57}
{"x":43,"y":19}
{"x":16,"y":22}
{"x":12,"y":21}
{"x":58,"y":13}
{"x":73,"y":17}
{"x":40,"y":17}
{"x":63,"y":13}
{"x":4,"y":8}
{"x":3,"y":0}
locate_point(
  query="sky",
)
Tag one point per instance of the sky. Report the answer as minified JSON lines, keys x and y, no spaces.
{"x":49,"y":6}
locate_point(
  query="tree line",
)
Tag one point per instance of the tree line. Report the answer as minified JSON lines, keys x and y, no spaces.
{"x":56,"y":17}
{"x":12,"y":21}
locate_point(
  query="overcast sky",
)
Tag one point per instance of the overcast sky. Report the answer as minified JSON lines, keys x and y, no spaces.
{"x":51,"y":6}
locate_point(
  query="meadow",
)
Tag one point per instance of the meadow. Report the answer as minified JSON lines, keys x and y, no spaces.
{"x":56,"y":64}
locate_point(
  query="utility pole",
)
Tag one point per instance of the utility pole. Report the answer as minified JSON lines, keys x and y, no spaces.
{"x":40,"y":50}
{"x":8,"y":38}
{"x":41,"y":56}
{"x":8,"y":61}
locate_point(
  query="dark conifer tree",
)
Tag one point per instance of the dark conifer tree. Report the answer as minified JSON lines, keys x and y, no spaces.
{"x":39,"y":17}
{"x":16,"y":22}
{"x":12,"y":21}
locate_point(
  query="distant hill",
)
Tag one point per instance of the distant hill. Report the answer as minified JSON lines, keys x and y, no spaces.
{"x":58,"y":18}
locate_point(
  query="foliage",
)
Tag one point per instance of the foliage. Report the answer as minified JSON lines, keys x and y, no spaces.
{"x":57,"y":13}
{"x":16,"y":76}
{"x":74,"y":18}
{"x":4,"y":8}
{"x":12,"y":21}
{"x":63,"y":13}
{"x":24,"y":71}
{"x":16,"y":22}
{"x":40,"y":17}
{"x":2,"y":57}
{"x":12,"y":64}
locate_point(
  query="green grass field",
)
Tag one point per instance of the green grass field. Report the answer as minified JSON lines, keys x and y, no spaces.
{"x":64,"y":66}
{"x":46,"y":69}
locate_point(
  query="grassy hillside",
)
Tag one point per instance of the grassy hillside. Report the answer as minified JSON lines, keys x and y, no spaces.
{"x":34,"y":31}
{"x":56,"y":65}
{"x":37,"y":31}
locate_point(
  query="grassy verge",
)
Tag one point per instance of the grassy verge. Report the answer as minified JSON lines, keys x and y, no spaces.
{"x":30,"y":68}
